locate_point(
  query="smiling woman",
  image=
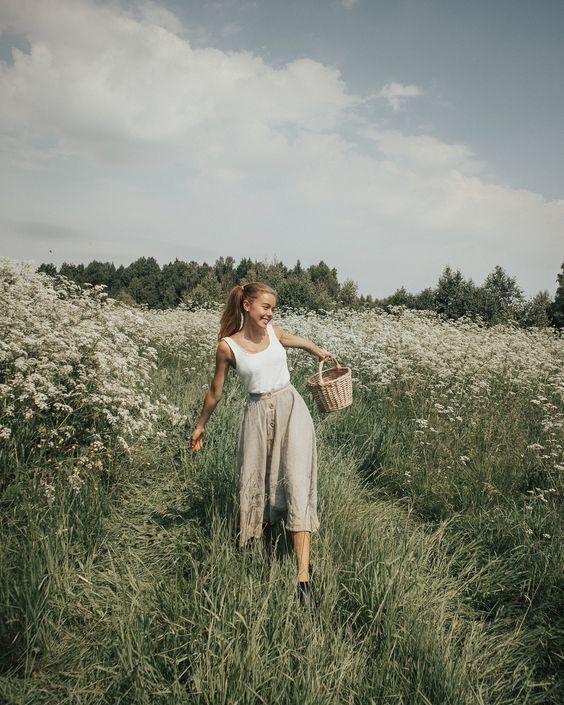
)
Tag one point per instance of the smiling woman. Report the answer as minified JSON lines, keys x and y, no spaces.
{"x":277,"y":445}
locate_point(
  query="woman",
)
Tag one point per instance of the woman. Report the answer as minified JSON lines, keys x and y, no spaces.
{"x":276,"y":449}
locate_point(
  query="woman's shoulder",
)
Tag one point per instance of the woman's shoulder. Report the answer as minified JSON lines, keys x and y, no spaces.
{"x":234,"y":337}
{"x":278,"y":330}
{"x":224,"y":347}
{"x":225,"y":351}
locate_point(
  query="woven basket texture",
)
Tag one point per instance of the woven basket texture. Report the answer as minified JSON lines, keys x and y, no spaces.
{"x":331,"y":389}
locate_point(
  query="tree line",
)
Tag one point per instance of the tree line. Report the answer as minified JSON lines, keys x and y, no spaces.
{"x":144,"y":282}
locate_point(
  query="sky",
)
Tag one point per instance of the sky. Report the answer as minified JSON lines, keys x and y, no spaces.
{"x":388,"y":138}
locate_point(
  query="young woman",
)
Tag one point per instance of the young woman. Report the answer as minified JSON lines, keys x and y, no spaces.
{"x":276,"y":448}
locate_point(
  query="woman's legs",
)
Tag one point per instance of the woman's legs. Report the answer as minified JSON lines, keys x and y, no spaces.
{"x":301,"y":548}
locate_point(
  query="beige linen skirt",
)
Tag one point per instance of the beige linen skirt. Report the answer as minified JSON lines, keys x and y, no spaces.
{"x":277,"y":464}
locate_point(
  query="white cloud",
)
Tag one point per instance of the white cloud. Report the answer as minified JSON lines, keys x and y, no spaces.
{"x":98,"y":74}
{"x":116,"y":128}
{"x":160,"y":16}
{"x":397,"y":93}
{"x":348,"y":4}
{"x":424,"y":152}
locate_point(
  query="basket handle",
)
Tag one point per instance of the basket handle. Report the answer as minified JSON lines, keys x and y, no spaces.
{"x":321,"y":370}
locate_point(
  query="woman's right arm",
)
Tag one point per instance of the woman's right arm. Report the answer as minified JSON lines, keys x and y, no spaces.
{"x":214,"y":392}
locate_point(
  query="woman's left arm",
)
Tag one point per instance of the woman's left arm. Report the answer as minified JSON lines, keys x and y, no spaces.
{"x":289,"y":340}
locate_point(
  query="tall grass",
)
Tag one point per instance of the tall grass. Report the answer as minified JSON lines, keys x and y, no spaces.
{"x":436,"y":581}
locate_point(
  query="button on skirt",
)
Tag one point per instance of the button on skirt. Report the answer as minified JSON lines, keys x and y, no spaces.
{"x":277,"y":464}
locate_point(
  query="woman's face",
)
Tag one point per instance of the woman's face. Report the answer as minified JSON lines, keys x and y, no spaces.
{"x":261,"y":310}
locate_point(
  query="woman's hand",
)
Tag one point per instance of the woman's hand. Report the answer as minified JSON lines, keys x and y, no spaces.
{"x":196,"y":438}
{"x":325,"y":355}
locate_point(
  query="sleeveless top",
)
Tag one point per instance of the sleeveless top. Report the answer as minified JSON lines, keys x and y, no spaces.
{"x":263,"y":371}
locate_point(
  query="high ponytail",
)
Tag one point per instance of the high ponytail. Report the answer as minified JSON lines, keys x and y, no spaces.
{"x":232,"y":317}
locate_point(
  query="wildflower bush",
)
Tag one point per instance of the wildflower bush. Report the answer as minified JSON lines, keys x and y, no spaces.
{"x":182,"y":334}
{"x":75,"y":377}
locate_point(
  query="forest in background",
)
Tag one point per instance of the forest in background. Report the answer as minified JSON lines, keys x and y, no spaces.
{"x":499,"y":299}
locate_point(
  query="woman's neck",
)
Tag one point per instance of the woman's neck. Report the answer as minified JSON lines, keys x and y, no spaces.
{"x":253,"y":333}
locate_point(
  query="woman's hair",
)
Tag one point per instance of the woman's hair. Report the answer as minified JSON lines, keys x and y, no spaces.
{"x":230,"y":321}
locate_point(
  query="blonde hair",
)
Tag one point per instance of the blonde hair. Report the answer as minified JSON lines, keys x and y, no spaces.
{"x":230,"y":321}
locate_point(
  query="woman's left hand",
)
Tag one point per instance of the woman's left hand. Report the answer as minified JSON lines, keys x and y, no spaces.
{"x":326,"y":356}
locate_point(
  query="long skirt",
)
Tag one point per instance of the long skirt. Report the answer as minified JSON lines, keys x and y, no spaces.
{"x":277,"y":464}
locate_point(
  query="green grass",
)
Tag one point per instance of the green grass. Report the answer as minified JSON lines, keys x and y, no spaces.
{"x":136,"y":592}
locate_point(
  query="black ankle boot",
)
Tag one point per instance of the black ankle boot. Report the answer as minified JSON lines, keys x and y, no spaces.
{"x":307,"y":598}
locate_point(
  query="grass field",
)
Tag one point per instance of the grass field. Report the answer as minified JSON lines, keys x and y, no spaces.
{"x":438,"y":562}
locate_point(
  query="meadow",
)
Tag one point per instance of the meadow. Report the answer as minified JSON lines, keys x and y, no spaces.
{"x":438,"y":563}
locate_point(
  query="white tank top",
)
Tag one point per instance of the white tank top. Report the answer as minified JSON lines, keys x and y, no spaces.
{"x":263,"y":371}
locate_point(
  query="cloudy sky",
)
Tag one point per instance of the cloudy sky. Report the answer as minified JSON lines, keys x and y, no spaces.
{"x":388,"y":138}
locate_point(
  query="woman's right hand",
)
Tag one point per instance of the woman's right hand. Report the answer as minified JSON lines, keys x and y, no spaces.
{"x":196,"y":438}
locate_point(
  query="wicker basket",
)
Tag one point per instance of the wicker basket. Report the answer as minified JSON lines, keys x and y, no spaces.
{"x":332,"y":389}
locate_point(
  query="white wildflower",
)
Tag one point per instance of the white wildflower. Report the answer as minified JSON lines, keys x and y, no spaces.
{"x":75,"y":480}
{"x":49,"y":491}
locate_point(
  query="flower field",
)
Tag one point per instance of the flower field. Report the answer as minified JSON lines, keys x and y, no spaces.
{"x":439,"y":557}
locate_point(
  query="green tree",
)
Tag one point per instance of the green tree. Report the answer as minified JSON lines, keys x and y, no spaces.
{"x":167,"y":294}
{"x":400,"y":297}
{"x":207,"y":292}
{"x":177,"y":279}
{"x":244,"y":266}
{"x":141,"y":268}
{"x":49,"y":269}
{"x":298,"y":269}
{"x":143,"y":281}
{"x":556,"y":310}
{"x":323,"y":300}
{"x":125,"y":298}
{"x":297,"y":291}
{"x":322,"y":275}
{"x":276,"y":272}
{"x":118,"y":284}
{"x":226,"y":273}
{"x":348,"y":294}
{"x":535,"y":312}
{"x":100,"y":273}
{"x":454,"y":296}
{"x":500,"y":297}
{"x":272,"y":272}
{"x":75,"y":272}
{"x":424,"y":300}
